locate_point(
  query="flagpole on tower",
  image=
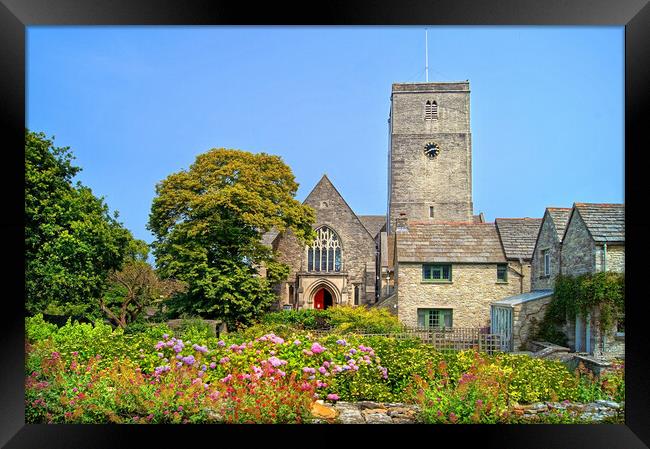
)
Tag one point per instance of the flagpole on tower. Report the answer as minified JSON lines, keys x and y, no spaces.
{"x":426,"y":54}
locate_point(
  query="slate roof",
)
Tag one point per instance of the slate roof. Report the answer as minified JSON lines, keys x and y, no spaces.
{"x":450,"y":242}
{"x":560,"y":216}
{"x":523,"y":297}
{"x":373,"y":223}
{"x":518,"y":236}
{"x":605,"y":222}
{"x":268,"y":237}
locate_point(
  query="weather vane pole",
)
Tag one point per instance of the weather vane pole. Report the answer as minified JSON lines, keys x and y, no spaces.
{"x":426,"y":54}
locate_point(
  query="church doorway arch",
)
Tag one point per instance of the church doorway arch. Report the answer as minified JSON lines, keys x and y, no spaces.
{"x":323,"y":299}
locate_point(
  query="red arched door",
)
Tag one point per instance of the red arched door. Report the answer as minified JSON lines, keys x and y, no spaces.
{"x":323,"y":299}
{"x":319,"y":299}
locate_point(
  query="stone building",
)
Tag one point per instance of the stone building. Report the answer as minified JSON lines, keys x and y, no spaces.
{"x":340,"y":265}
{"x":430,"y":260}
{"x":594,"y":241}
{"x":545,"y":264}
{"x":518,"y":236}
{"x":448,"y":273}
{"x":430,"y":153}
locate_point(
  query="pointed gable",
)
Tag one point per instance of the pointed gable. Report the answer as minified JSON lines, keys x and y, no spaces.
{"x":605,"y":222}
{"x":518,"y":236}
{"x":331,"y":207}
{"x":560,"y":218}
{"x":374,"y":223}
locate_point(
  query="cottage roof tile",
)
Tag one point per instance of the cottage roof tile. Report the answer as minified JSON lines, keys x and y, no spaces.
{"x":518,"y":236}
{"x":605,"y":221}
{"x":450,"y":242}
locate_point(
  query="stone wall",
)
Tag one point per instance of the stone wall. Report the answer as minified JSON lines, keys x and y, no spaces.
{"x":389,"y":304}
{"x":615,"y":258}
{"x":416,"y":181}
{"x":547,"y":239}
{"x":578,"y":248}
{"x":520,"y":272}
{"x":525,"y":318}
{"x":606,"y":344}
{"x":473,"y":288}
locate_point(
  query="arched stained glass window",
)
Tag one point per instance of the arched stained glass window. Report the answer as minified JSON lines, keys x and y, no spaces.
{"x":324,"y":254}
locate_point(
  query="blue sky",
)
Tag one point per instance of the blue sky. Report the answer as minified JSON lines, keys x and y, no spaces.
{"x":136,"y":104}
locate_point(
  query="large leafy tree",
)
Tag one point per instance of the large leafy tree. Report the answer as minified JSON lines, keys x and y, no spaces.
{"x":71,"y":240}
{"x":208,"y":222}
{"x":135,"y":287}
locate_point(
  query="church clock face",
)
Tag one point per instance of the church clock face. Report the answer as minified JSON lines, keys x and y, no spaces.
{"x":431,"y":150}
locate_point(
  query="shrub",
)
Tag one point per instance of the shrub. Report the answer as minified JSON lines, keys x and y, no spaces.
{"x":37,"y":329}
{"x":339,"y":320}
{"x":478,"y":396}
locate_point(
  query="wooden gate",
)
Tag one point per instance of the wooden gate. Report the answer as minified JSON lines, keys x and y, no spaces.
{"x":501,"y":324}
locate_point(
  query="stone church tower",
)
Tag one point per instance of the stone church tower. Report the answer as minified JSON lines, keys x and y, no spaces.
{"x":430,"y":153}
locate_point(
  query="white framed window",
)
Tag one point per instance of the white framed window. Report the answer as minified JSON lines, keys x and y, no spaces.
{"x":324,"y":254}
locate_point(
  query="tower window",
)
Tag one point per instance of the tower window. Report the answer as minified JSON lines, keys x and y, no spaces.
{"x":431,"y":110}
{"x":430,"y":211}
{"x":356,"y":295}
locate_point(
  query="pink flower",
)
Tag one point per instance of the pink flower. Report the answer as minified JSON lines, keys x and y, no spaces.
{"x":333,"y":397}
{"x":317,"y":348}
{"x":322,"y":370}
{"x":277,"y":362}
{"x":296,"y":342}
{"x":307,"y":353}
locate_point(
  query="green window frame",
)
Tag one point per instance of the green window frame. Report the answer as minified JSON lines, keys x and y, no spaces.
{"x":436,"y":272}
{"x":435,"y":318}
{"x":502,"y":272}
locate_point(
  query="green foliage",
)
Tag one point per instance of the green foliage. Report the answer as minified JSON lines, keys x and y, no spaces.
{"x":71,"y":241}
{"x":348,"y":319}
{"x":338,"y":320}
{"x":37,"y":329}
{"x":450,"y":387}
{"x":208,"y":222}
{"x":580,"y":295}
{"x":133,"y":288}
{"x":309,"y":319}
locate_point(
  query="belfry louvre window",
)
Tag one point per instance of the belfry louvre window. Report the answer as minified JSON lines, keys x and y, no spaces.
{"x":431,"y":110}
{"x":324,"y":254}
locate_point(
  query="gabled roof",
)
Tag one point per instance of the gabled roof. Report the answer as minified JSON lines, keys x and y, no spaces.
{"x":268,"y":237}
{"x":518,"y":236}
{"x":560,"y":217}
{"x":605,"y":221}
{"x":450,"y":242}
{"x":326,"y":183}
{"x":373,"y":223}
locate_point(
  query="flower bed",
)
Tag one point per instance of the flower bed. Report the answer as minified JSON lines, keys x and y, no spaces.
{"x":157,"y":377}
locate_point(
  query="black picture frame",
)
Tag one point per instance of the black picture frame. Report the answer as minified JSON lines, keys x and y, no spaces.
{"x":15,"y":15}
